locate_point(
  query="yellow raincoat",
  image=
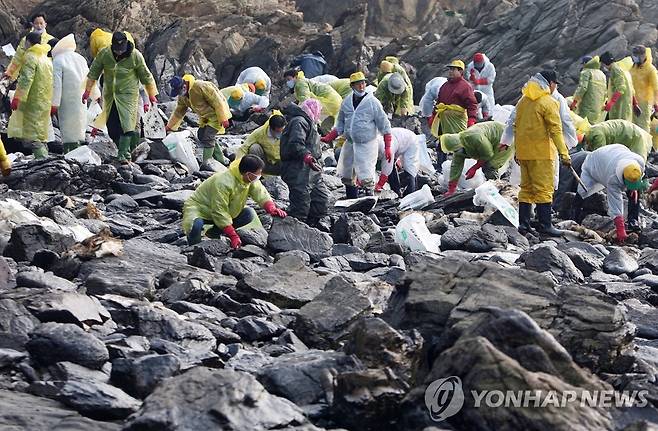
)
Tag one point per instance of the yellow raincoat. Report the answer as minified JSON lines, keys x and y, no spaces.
{"x":621,"y":81}
{"x":342,"y":87}
{"x":591,"y":92}
{"x":222,"y":197}
{"x":5,"y":164}
{"x":327,"y":96}
{"x":645,"y":84}
{"x":17,"y":60}
{"x":34,"y":90}
{"x":121,"y":85}
{"x":271,"y":147}
{"x":206,"y":100}
{"x":537,"y":136}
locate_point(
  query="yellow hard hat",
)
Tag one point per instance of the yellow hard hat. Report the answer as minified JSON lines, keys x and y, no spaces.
{"x":450,"y":142}
{"x":237,"y":94}
{"x":260,"y":84}
{"x":633,"y":176}
{"x":392,"y":59}
{"x":457,"y":63}
{"x":357,"y":77}
{"x":386,"y":66}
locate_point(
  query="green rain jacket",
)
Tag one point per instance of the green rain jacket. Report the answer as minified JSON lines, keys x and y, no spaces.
{"x":591,"y":92}
{"x":620,"y":81}
{"x":619,"y":132}
{"x":400,"y":104}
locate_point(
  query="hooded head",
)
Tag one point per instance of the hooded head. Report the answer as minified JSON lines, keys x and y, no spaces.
{"x":450,"y":142}
{"x":478,"y":60}
{"x":119,"y":43}
{"x":176,"y":85}
{"x":386,"y":66}
{"x":65,"y":44}
{"x":607,"y":58}
{"x":312,"y":108}
{"x":639,"y":55}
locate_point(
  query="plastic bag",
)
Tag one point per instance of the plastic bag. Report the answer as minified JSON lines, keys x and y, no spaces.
{"x":487,"y":195}
{"x":463,"y":183}
{"x":425,"y":162}
{"x":93,"y":111}
{"x":84,"y":154}
{"x":417,"y":200}
{"x":181,"y":149}
{"x":154,"y":126}
{"x":501,"y":113}
{"x":412,"y":232}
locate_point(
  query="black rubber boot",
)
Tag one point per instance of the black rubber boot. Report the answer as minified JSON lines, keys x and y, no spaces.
{"x":524,"y":218}
{"x":545,"y":224}
{"x":351,"y":192}
{"x":633,"y":221}
{"x":577,"y":209}
{"x":194,"y":237}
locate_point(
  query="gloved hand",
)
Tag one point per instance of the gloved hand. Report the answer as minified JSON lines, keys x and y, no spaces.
{"x":257,"y":108}
{"x":329,"y":136}
{"x":635,"y":196}
{"x":312,"y":163}
{"x":654,"y":186}
{"x":167,"y":128}
{"x":452,"y":187}
{"x":14,"y":104}
{"x":388,"y":152}
{"x":503,"y":147}
{"x":608,"y":106}
{"x":380,"y":184}
{"x":236,"y":242}
{"x":565,"y":160}
{"x":485,"y":115}
{"x":473,"y":170}
{"x":637,"y":111}
{"x":85,"y":96}
{"x":94,"y":132}
{"x":573,"y":104}
{"x":272,"y":210}
{"x":153,"y":100}
{"x":472,"y":76}
{"x":430,"y":119}
{"x":481,"y":81}
{"x":226,"y":124}
{"x":471,"y":121}
{"x":620,"y":228}
{"x":5,"y":167}
{"x":53,"y":110}
{"x":147,"y":107}
{"x":655,"y":111}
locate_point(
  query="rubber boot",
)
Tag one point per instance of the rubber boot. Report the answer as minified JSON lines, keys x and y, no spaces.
{"x":70,"y":146}
{"x":208,"y":153}
{"x":524,"y":218}
{"x":545,"y":224}
{"x":124,"y":148}
{"x":351,"y":192}
{"x":577,"y":209}
{"x":194,"y":237}
{"x":633,"y":221}
{"x":411,"y":185}
{"x":40,"y":152}
{"x":218,"y":155}
{"x":134,"y":141}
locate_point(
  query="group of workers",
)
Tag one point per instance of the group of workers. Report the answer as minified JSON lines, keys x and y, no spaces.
{"x":607,"y":126}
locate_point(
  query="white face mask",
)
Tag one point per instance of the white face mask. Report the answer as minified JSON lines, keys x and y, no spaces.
{"x":359,"y":93}
{"x":290,"y":83}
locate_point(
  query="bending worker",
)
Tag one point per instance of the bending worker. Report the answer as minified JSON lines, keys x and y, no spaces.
{"x":243,"y":101}
{"x":256,"y":76}
{"x":205,"y":99}
{"x":405,"y":146}
{"x":394,"y":94}
{"x":218,"y":204}
{"x":264,"y":142}
{"x":304,"y":88}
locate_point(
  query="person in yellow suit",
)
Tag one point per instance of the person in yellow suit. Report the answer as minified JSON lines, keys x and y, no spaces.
{"x":5,"y":163}
{"x":265,"y":142}
{"x":304,"y":88}
{"x":207,"y":101}
{"x":218,"y":204}
{"x":123,"y":69}
{"x":645,"y":84}
{"x":537,"y":136}
{"x":30,"y":119}
{"x":589,"y":97}
{"x":620,"y":89}
{"x":39,"y":25}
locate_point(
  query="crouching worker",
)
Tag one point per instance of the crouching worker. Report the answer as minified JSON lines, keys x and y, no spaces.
{"x":615,"y":168}
{"x":264,"y":142}
{"x":218,"y":204}
{"x":404,"y":147}
{"x":480,"y":142}
{"x":300,"y":169}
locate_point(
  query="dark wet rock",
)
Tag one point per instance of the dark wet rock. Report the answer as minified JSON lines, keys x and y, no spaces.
{"x":55,"y":342}
{"x":619,"y":262}
{"x":16,"y":323}
{"x":27,"y":239}
{"x":290,"y":234}
{"x":140,"y":376}
{"x":355,"y":229}
{"x":97,"y":400}
{"x":123,"y":203}
{"x":66,"y":307}
{"x":475,"y":238}
{"x":69,"y":371}
{"x":252,"y":328}
{"x":240,"y":268}
{"x":41,"y":280}
{"x":188,"y":290}
{"x":586,"y":257}
{"x":256,"y":236}
{"x":548,"y":258}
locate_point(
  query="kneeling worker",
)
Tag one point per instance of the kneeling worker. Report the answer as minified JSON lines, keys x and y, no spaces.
{"x":265,"y":142}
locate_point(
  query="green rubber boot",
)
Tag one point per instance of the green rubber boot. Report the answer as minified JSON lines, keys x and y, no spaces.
{"x":208,"y":153}
{"x":124,"y":148}
{"x":41,"y":152}
{"x":134,"y":141}
{"x":70,"y":146}
{"x":218,"y":155}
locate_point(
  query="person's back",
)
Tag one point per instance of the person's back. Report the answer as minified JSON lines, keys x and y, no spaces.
{"x":311,"y":64}
{"x":622,"y":132}
{"x":532,"y":131}
{"x":620,"y":82}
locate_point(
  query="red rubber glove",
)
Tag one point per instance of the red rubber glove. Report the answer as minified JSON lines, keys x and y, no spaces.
{"x":153,"y":100}
{"x":236,"y":242}
{"x":473,"y":170}
{"x":654,"y":186}
{"x":53,"y":110}
{"x":621,"y":230}
{"x":387,"y":147}
{"x":272,"y":210}
{"x":225,"y":124}
{"x":485,"y":115}
{"x":482,"y":81}
{"x":310,"y":161}
{"x":257,"y":109}
{"x":472,"y":76}
{"x":452,"y":188}
{"x":329,"y":136}
{"x":94,"y":132}
{"x":146,"y":107}
{"x":471,"y":121}
{"x":430,"y":119}
{"x":85,"y":96}
{"x":503,"y":147}
{"x":636,"y":108}
{"x":573,"y":104}
{"x":14,"y":104}
{"x":380,"y":184}
{"x":167,"y":128}
{"x":608,"y":106}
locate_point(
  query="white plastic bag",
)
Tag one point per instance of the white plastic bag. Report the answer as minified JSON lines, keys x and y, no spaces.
{"x":501,"y":113}
{"x":84,"y":154}
{"x":417,"y":200}
{"x":181,"y":149}
{"x":154,"y":126}
{"x":463,"y":183}
{"x":93,"y":111}
{"x":487,"y":195}
{"x":412,"y":232}
{"x":425,"y":162}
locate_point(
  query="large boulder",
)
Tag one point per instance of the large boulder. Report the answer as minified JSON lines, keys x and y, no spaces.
{"x":291,"y":234}
{"x":16,"y":323}
{"x":55,"y":342}
{"x":27,"y":239}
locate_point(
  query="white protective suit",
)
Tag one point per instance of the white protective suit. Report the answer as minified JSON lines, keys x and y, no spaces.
{"x":431,"y":93}
{"x":405,"y":145}
{"x":324,"y":79}
{"x":252,"y":74}
{"x":70,"y":71}
{"x":250,"y":99}
{"x":361,"y":128}
{"x":485,"y":106}
{"x":604,"y":168}
{"x":488,"y":72}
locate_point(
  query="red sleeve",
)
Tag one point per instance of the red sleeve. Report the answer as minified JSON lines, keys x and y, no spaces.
{"x":468,"y":97}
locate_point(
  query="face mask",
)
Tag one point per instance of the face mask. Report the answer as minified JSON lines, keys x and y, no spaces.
{"x":40,"y":31}
{"x":290,"y":83}
{"x":478,"y":66}
{"x":260,"y":92}
{"x":359,"y":93}
{"x":252,"y":178}
{"x":637,"y":59}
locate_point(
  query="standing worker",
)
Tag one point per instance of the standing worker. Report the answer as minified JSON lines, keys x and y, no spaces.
{"x":256,"y":76}
{"x":205,"y":99}
{"x":70,"y":70}
{"x":537,"y":136}
{"x":589,"y":98}
{"x":39,"y":24}
{"x":300,"y":168}
{"x":264,"y":142}
{"x":482,"y":74}
{"x":304,"y":88}
{"x":620,"y":90}
{"x":30,"y":119}
{"x":645,"y":85}
{"x":123,"y":68}
{"x":394,"y":94}
{"x":360,"y":120}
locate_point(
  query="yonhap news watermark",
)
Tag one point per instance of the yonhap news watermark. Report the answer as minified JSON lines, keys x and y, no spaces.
{"x":445,"y":398}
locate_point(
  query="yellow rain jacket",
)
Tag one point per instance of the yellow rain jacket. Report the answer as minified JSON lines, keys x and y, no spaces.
{"x":342,"y":87}
{"x":121,"y":85}
{"x":222,"y":197}
{"x":271,"y":147}
{"x":621,"y":132}
{"x":327,"y":96}
{"x":206,"y":100}
{"x":621,"y":81}
{"x":400,"y":104}
{"x":99,"y":39}
{"x":17,"y":60}
{"x":591,"y":92}
{"x":34,"y":91}
{"x":645,"y":85}
{"x":5,"y":164}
